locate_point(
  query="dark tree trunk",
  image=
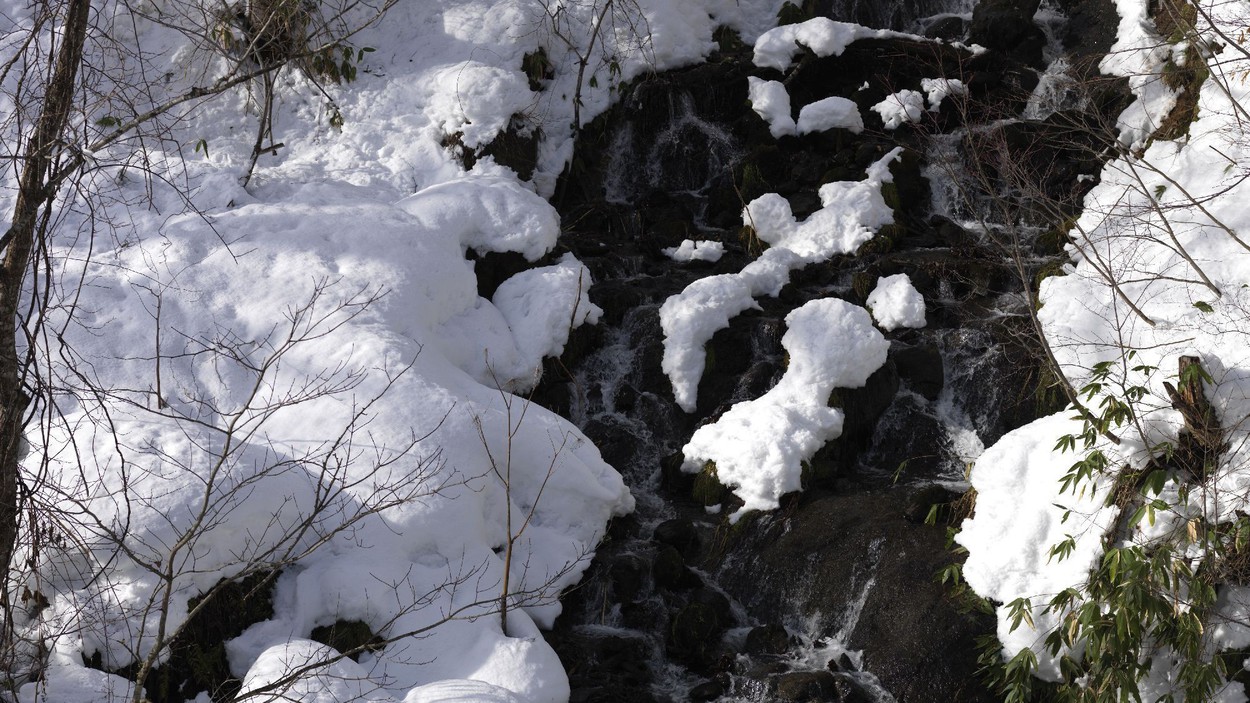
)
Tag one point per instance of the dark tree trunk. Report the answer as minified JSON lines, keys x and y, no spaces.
{"x":36,"y":188}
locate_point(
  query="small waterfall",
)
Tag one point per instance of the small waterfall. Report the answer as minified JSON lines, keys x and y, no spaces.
{"x":684,"y":155}
{"x":899,"y":15}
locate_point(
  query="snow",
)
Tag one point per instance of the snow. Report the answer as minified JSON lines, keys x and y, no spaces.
{"x":777,"y":47}
{"x":900,"y":108}
{"x":771,"y":101}
{"x":896,"y":303}
{"x":1019,"y":517}
{"x":1139,"y":54}
{"x":829,"y":113}
{"x":691,"y":250}
{"x":938,"y":89}
{"x":326,"y":360}
{"x":759,"y":446}
{"x":851,"y":214}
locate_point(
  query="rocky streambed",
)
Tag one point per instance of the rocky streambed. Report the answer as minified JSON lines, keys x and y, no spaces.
{"x":833,"y":597}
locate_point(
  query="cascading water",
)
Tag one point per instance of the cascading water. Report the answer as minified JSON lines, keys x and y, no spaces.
{"x":681,"y":605}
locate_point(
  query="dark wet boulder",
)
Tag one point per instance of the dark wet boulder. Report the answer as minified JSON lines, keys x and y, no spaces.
{"x":1007,"y":26}
{"x":826,"y":552}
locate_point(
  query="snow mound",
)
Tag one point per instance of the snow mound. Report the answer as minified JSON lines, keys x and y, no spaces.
{"x":900,"y":108}
{"x":1019,"y":518}
{"x":777,"y":47}
{"x":938,"y":89}
{"x":759,"y":446}
{"x":771,"y":101}
{"x":896,"y":303}
{"x":830,"y":113}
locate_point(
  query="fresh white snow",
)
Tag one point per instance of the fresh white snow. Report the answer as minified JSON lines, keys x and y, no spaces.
{"x":896,"y":303}
{"x":900,"y":108}
{"x":759,"y":446}
{"x":691,"y":250}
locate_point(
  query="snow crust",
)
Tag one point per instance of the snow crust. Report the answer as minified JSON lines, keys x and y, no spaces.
{"x":759,"y":446}
{"x":851,"y":214}
{"x":896,"y":303}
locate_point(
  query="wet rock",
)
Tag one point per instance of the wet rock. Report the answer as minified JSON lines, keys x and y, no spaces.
{"x":681,"y":534}
{"x":1007,"y":26}
{"x":694,"y":636}
{"x":628,"y":574}
{"x":842,"y":663}
{"x":804,"y":686}
{"x":670,"y":571}
{"x":851,"y":691}
{"x":707,"y":691}
{"x":767,"y":639}
{"x":924,"y":499}
{"x":817,"y":559}
{"x":920,"y":367}
{"x":949,"y":28}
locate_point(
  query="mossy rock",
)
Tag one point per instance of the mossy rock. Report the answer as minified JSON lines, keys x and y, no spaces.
{"x":817,"y":473}
{"x":862,"y":284}
{"x":348,"y":635}
{"x":1052,"y":241}
{"x":707,"y":489}
{"x":1050,"y":268}
{"x":727,"y":39}
{"x":883,"y":242}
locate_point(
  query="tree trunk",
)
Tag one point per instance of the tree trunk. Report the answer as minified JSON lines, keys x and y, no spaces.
{"x":35,"y":190}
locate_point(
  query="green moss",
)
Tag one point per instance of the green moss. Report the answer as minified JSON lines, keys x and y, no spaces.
{"x":862,"y":283}
{"x":1048,"y":394}
{"x":1052,"y":241}
{"x":1050,"y":268}
{"x":197,"y":656}
{"x":753,"y":183}
{"x":537,"y":68}
{"x":750,"y":240}
{"x":708,"y":490}
{"x":817,"y":473}
{"x":889,"y":193}
{"x":882,"y":243}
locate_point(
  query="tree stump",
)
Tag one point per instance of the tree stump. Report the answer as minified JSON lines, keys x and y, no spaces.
{"x":1202,"y":440}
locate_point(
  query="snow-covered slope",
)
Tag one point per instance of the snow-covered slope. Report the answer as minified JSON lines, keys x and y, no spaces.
{"x":1160,"y":269}
{"x":301,"y":373}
